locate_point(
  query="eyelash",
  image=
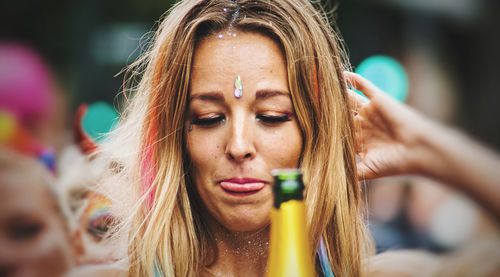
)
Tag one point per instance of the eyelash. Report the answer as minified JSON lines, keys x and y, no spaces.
{"x":273,"y":119}
{"x":207,"y":122}
{"x":99,"y":226}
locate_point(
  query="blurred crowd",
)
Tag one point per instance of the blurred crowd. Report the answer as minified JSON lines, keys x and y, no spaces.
{"x":51,"y":218}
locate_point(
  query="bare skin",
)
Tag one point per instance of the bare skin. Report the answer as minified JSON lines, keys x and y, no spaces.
{"x":393,"y":139}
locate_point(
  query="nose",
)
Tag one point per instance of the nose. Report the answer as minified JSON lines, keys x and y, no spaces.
{"x":240,"y":146}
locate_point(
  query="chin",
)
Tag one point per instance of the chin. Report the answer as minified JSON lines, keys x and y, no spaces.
{"x":245,"y":225}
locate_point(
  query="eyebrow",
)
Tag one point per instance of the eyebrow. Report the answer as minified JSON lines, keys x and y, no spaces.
{"x":208,"y":96}
{"x":217,"y":96}
{"x":263,"y":94}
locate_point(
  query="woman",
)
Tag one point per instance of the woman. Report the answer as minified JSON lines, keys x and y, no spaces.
{"x":228,"y":91}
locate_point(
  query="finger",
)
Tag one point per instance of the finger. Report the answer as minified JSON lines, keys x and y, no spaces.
{"x":356,"y":100}
{"x":359,"y":135}
{"x":364,"y":172}
{"x":361,"y":84}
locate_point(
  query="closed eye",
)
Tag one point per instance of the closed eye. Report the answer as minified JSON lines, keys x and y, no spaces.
{"x":273,"y":119}
{"x":207,"y":122}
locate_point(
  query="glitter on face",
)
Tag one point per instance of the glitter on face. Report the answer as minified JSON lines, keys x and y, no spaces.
{"x":234,"y":35}
{"x":238,"y":87}
{"x":224,"y":10}
{"x":220,"y":36}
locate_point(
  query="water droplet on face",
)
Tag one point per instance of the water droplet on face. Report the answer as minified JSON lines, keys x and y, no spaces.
{"x":220,"y":36}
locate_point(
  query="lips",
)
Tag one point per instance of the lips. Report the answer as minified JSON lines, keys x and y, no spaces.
{"x":242,"y":186}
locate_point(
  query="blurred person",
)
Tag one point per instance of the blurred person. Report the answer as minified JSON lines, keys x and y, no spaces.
{"x":420,"y":213}
{"x":87,"y":212}
{"x":34,"y":238}
{"x":95,"y":225}
{"x":389,"y":202}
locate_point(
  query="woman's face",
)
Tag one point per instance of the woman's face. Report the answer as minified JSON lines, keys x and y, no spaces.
{"x":234,"y":142}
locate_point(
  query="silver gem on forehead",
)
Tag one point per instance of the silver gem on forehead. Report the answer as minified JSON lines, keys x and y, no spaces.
{"x":238,"y":87}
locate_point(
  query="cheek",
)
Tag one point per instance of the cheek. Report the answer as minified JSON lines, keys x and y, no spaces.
{"x":203,"y":151}
{"x":283,"y":148}
{"x":294,"y":146}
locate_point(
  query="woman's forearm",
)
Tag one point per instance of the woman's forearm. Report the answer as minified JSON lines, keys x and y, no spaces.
{"x":452,"y":157}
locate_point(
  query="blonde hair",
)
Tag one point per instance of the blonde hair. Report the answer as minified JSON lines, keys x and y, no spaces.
{"x":167,"y":233}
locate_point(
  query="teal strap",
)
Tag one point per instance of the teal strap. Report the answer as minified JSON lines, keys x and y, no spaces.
{"x":323,"y":259}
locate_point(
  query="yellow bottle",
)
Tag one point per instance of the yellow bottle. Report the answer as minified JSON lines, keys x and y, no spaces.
{"x":290,"y":253}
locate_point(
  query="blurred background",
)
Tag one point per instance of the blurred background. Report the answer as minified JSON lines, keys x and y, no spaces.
{"x":449,"y":51}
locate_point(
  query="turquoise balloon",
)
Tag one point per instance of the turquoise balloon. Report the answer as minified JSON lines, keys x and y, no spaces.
{"x":387,"y":74}
{"x":99,"y":120}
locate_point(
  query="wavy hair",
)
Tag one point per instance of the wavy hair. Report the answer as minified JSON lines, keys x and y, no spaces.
{"x":159,"y":209}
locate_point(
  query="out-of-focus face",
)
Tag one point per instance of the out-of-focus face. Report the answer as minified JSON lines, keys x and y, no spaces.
{"x":94,"y":230}
{"x":234,"y":143}
{"x":33,"y":236}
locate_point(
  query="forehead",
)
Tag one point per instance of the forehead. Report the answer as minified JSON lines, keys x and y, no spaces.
{"x":24,"y":195}
{"x":221,"y":57}
{"x":230,"y":50}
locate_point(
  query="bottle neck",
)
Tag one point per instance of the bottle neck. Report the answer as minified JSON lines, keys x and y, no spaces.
{"x":286,"y":189}
{"x":280,"y":198}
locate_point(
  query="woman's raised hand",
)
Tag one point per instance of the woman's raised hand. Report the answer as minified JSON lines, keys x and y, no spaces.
{"x":392,"y":139}
{"x":387,"y":132}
